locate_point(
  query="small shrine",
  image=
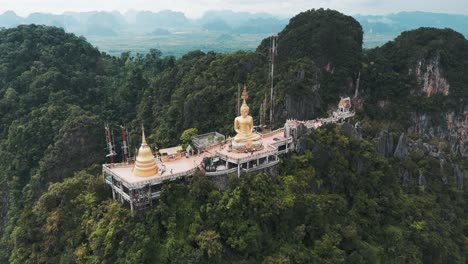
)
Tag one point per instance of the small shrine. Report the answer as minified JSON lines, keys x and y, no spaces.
{"x":344,"y":105}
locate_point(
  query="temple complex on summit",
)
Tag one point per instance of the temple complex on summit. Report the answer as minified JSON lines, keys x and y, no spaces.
{"x":138,"y":182}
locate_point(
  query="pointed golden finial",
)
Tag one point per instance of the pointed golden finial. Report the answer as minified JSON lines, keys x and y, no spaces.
{"x":143,"y":138}
{"x":145,"y":163}
{"x":245,"y":94}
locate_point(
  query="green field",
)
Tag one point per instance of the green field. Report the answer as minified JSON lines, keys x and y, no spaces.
{"x":177,"y":44}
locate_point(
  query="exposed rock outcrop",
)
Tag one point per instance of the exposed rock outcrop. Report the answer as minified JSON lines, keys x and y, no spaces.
{"x":430,"y":77}
{"x":384,"y":143}
{"x":450,"y":126}
{"x":299,"y":107}
{"x":401,"y":150}
{"x":352,"y":131}
{"x":442,"y":163}
{"x":457,"y":128}
{"x":459,"y":175}
{"x":297,"y":133}
{"x":430,"y":67}
{"x":302,"y":145}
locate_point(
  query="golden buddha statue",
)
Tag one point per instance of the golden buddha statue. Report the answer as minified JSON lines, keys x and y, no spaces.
{"x":145,"y":164}
{"x":243,"y":124}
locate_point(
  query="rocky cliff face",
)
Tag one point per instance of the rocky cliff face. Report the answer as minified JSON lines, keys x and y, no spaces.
{"x":301,"y":108}
{"x":384,"y":143}
{"x":424,"y":89}
{"x":451,"y":126}
{"x":450,"y":171}
{"x":401,"y":150}
{"x":430,"y":78}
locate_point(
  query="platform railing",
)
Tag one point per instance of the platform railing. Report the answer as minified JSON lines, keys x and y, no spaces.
{"x":277,"y":131}
{"x":222,"y":172}
{"x":150,"y":181}
{"x":262,"y":166}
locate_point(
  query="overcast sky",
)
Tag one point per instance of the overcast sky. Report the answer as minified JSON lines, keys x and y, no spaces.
{"x":195,"y":8}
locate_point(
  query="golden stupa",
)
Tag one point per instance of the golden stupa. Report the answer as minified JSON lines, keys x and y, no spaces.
{"x":145,"y":164}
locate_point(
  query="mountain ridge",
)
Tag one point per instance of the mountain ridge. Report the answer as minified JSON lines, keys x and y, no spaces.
{"x":377,"y":28}
{"x":384,"y":189}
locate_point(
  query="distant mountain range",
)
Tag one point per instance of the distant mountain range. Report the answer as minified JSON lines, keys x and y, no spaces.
{"x":114,"y":23}
{"x":378,"y":29}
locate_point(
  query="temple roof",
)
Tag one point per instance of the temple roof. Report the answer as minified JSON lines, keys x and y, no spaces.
{"x":170,"y":151}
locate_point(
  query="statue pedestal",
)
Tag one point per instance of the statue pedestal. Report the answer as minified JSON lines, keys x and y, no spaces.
{"x":247,"y":146}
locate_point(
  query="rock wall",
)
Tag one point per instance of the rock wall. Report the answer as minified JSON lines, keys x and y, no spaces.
{"x":384,"y":143}
{"x":295,"y":132}
{"x":401,"y":150}
{"x":450,"y":126}
{"x":298,"y":107}
{"x":453,"y":171}
{"x":430,"y":77}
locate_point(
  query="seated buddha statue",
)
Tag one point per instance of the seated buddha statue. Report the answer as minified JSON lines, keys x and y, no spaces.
{"x":243,"y":124}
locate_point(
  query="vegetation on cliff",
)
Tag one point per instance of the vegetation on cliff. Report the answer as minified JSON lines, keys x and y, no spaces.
{"x":424,"y":70}
{"x":338,"y":201}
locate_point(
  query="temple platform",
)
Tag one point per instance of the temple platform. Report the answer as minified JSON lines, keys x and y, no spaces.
{"x":212,"y":160}
{"x":215,"y":156}
{"x":167,"y":171}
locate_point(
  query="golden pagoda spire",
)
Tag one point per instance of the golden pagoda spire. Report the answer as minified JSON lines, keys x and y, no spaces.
{"x":145,"y":164}
{"x":245,"y":95}
{"x":143,"y":138}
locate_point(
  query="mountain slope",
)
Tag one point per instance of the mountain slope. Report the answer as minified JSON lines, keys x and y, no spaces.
{"x":419,"y":80}
{"x":342,"y":198}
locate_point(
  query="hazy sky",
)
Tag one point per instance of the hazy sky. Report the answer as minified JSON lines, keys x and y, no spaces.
{"x":195,"y":8}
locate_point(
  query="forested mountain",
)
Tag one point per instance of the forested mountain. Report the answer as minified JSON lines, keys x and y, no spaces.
{"x":391,"y":190}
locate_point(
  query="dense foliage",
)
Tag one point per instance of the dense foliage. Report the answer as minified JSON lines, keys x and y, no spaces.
{"x":391,"y":72}
{"x":338,"y":201}
{"x":341,"y":203}
{"x":318,"y":57}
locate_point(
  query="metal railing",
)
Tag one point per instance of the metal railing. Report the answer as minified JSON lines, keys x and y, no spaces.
{"x":262,"y":166}
{"x":280,"y":142}
{"x":121,"y":192}
{"x":250,"y":157}
{"x":277,"y":131}
{"x":150,"y":181}
{"x":223,"y":172}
